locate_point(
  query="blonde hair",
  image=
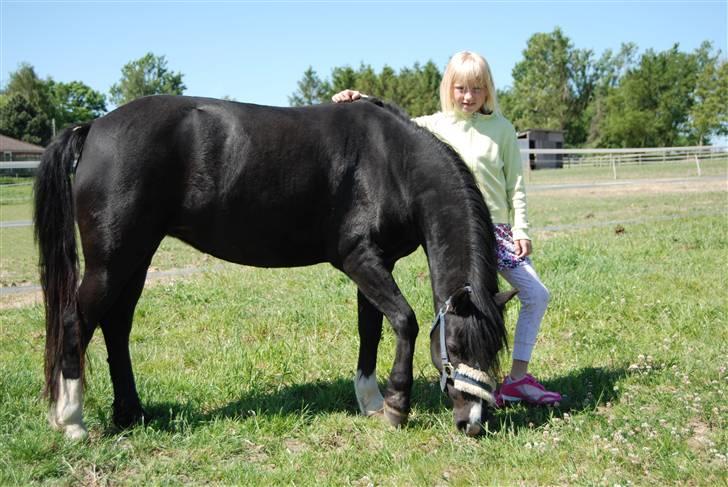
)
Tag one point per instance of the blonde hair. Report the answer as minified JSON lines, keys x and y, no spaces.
{"x":471,"y":69}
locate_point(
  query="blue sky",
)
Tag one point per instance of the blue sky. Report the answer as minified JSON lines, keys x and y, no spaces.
{"x":256,"y":51}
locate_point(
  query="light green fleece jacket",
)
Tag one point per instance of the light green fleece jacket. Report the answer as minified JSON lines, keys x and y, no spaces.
{"x":487,"y":144}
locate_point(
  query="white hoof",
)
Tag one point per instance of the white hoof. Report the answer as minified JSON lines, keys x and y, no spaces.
{"x":52,"y":419}
{"x":370,"y":399}
{"x":76,"y":432}
{"x":67,"y":413}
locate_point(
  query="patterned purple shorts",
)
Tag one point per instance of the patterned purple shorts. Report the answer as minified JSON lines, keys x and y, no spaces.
{"x":507,"y":258}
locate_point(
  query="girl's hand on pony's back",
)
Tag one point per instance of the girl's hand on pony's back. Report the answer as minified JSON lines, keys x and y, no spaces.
{"x":347,"y":96}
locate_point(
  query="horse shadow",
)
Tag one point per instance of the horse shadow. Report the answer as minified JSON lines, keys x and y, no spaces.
{"x":584,"y":390}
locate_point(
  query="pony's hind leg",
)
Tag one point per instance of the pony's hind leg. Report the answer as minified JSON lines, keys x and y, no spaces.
{"x":66,"y":414}
{"x":107,"y":295}
{"x":368,"y":395}
{"x":116,"y":327}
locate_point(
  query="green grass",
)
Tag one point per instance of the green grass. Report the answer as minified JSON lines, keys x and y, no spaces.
{"x":598,"y":206}
{"x":19,"y":258}
{"x":248,"y":372}
{"x":16,"y":200}
{"x":548,"y":210}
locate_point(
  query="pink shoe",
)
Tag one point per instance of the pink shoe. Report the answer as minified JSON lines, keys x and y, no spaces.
{"x":526,"y":389}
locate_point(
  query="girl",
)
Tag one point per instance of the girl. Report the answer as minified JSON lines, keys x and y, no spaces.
{"x":471,"y":122}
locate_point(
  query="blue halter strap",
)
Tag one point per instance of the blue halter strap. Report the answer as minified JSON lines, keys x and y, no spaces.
{"x":448,"y":370}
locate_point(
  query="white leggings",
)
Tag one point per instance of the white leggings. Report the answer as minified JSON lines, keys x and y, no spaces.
{"x":534,"y":299}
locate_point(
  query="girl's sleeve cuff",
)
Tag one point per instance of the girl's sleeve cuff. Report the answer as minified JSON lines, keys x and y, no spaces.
{"x":520,"y":234}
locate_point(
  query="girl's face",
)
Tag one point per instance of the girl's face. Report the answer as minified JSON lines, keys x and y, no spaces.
{"x":468,"y":99}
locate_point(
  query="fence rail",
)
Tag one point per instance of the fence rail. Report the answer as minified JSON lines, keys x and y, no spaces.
{"x":567,"y":157}
{"x":9,"y":165}
{"x":598,"y":157}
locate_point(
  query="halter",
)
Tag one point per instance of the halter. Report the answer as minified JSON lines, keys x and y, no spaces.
{"x":465,"y":378}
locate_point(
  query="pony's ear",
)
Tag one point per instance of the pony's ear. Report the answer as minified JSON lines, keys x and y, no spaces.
{"x":502,"y":298}
{"x":461,"y":300}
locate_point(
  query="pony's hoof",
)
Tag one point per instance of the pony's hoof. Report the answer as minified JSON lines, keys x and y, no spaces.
{"x":395,"y":417}
{"x":53,"y":421}
{"x":127,"y":419}
{"x":72,"y":431}
{"x":375,"y":414}
{"x":76,"y":432}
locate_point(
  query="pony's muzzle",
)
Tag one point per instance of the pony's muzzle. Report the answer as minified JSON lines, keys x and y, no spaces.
{"x":474,"y":382}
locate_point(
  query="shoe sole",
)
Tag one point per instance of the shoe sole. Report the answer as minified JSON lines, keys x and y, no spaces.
{"x":515,"y":399}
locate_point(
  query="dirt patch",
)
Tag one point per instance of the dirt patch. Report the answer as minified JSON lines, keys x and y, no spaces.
{"x":34,"y":295}
{"x":700,"y":438}
{"x":20,"y":300}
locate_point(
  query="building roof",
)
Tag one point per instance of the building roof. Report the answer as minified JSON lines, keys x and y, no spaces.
{"x":8,"y":144}
{"x":524,"y":132}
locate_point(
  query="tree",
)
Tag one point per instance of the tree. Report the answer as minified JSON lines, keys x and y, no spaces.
{"x":310,"y":90}
{"x":26,"y":83}
{"x":414,"y":89}
{"x":541,"y":93}
{"x":21,"y":119}
{"x":341,"y":79}
{"x":46,"y":101}
{"x":76,"y":102}
{"x":611,"y":68}
{"x":27,"y":108}
{"x":147,"y":75}
{"x":366,"y":80}
{"x":651,"y":105}
{"x":709,"y":113}
{"x":426,"y":92}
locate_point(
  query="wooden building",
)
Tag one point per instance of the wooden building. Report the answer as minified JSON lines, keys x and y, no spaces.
{"x":542,"y":139}
{"x":17,"y":150}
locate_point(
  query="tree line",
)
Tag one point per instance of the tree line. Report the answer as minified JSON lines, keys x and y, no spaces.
{"x":619,"y":99}
{"x":30,"y":107}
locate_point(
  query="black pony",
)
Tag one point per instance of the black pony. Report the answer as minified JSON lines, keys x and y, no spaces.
{"x":357,"y":185}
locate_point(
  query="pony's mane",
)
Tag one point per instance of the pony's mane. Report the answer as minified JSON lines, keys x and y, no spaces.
{"x":483,"y":342}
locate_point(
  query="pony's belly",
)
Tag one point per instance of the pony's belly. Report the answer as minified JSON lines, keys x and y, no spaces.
{"x":258,"y":252}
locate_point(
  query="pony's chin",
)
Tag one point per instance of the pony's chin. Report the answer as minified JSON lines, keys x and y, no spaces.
{"x":470,"y":424}
{"x":473,"y":429}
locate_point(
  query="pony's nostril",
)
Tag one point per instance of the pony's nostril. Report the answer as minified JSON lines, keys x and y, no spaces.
{"x":470,"y":429}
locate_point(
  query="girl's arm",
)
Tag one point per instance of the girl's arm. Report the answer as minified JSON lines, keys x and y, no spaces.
{"x":515,"y":188}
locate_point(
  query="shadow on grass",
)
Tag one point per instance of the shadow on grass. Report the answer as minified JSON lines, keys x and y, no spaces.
{"x":584,"y":390}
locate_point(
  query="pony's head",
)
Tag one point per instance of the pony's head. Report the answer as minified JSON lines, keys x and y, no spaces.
{"x":465,"y":340}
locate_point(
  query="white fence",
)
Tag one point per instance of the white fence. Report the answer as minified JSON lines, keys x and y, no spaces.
{"x":9,"y":165}
{"x":568,"y":157}
{"x":598,"y":157}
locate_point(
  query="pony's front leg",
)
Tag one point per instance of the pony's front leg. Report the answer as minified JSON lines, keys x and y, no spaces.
{"x":399,"y":387}
{"x":376,"y":283}
{"x":368,"y":395}
{"x":66,"y":413}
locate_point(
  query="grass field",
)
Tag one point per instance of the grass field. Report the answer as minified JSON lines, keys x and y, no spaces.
{"x":248,"y":371}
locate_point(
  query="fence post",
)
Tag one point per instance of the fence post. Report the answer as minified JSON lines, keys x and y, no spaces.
{"x":614,"y":166}
{"x":697,"y":163}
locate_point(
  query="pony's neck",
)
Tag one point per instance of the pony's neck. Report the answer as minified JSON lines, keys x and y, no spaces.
{"x":448,"y":244}
{"x":454,"y":222}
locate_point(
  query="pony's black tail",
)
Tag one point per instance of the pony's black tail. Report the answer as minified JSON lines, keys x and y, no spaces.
{"x":55,"y":234}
